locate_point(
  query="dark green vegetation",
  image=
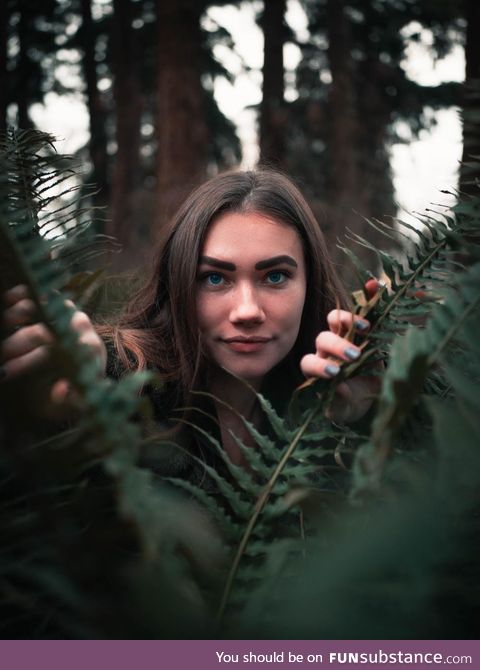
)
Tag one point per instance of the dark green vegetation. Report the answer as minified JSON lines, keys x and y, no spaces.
{"x":335,"y":532}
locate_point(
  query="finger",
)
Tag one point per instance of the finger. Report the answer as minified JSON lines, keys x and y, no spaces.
{"x":340,"y":321}
{"x":372,"y":287}
{"x":61,"y":392}
{"x":25,"y":340}
{"x":95,"y":344}
{"x":21,"y":313}
{"x":92,"y":340}
{"x":312,"y":365}
{"x":80,"y":321}
{"x":15,"y":294}
{"x":20,"y":365}
{"x":329,"y":344}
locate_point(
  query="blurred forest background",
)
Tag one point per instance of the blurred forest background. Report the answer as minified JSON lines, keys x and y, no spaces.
{"x":146,"y":70}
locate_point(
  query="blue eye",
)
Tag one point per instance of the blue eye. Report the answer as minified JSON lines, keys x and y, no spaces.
{"x":276,"y":277}
{"x":214,"y":279}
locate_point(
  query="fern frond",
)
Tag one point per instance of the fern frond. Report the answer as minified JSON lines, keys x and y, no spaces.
{"x":413,"y":355}
{"x":230,"y":529}
{"x":262,"y":500}
{"x":239,"y":475}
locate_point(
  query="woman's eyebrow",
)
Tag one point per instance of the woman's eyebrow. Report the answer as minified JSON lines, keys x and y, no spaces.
{"x":261,"y":265}
{"x":276,"y":260}
{"x":216,"y":263}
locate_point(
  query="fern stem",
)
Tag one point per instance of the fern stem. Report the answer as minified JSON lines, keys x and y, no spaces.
{"x":259,"y":506}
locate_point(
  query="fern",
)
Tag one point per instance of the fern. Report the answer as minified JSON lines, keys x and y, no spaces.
{"x":101,"y":503}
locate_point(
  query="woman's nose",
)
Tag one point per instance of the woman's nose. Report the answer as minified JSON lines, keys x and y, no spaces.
{"x":246,"y":306}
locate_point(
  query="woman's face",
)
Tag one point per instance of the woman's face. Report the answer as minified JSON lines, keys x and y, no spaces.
{"x":251,"y":286}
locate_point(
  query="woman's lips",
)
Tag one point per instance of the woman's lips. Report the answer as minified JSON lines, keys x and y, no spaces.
{"x":247,"y":345}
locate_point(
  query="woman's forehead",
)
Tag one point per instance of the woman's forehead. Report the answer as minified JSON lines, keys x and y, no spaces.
{"x":251,"y":233}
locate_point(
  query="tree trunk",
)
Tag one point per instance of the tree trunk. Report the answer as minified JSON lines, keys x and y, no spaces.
{"x":343,"y":170}
{"x":180,"y":123}
{"x":344,"y":185}
{"x":23,"y":73}
{"x":128,"y":106}
{"x":273,"y":119}
{"x":4,"y":79}
{"x":95,"y":106}
{"x":470,"y":175}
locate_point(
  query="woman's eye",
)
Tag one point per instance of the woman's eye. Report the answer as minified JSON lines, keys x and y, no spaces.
{"x":213,"y":279}
{"x":277,"y":277}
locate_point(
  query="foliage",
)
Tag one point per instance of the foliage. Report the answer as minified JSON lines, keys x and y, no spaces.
{"x":75,"y":509}
{"x":360,"y":531}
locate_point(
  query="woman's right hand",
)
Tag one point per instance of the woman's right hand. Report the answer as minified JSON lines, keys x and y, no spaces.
{"x":28,"y":344}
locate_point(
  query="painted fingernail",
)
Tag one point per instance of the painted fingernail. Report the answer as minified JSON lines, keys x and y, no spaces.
{"x":3,"y":374}
{"x":332,"y":370}
{"x":361,"y":325}
{"x":351,"y":353}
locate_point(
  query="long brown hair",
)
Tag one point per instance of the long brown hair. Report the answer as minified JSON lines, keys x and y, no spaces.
{"x":159,"y":325}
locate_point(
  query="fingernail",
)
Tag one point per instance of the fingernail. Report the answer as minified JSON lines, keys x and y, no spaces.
{"x":351,"y":353}
{"x":361,"y":325}
{"x":332,"y":370}
{"x":3,"y":374}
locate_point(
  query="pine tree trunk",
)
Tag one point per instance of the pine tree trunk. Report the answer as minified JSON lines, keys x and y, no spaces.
{"x":3,"y":65}
{"x":345,"y":192}
{"x":180,"y":123}
{"x":343,"y":170}
{"x":273,"y":120}
{"x":471,"y":100}
{"x":128,"y":106}
{"x":95,"y":106}
{"x":23,"y":73}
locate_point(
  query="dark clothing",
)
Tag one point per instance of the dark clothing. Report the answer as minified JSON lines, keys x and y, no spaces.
{"x":181,"y":451}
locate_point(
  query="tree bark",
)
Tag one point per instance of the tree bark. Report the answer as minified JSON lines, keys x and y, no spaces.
{"x":470,"y":175}
{"x":180,"y":123}
{"x":4,"y":78}
{"x":128,"y":106}
{"x":343,"y":170}
{"x":345,"y":193}
{"x":95,"y":106}
{"x":273,"y":120}
{"x":24,"y":68}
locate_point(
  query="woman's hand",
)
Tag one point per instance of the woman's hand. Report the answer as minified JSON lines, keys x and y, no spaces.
{"x":354,"y":396}
{"x":332,"y":345}
{"x":28,"y":346}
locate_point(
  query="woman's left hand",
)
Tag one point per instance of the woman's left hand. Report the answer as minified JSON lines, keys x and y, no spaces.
{"x":354,"y":396}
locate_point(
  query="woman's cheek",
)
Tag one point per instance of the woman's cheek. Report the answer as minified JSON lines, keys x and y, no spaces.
{"x":206,"y":310}
{"x":292,"y":310}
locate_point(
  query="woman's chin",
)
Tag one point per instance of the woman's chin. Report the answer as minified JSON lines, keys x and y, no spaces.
{"x":251,"y":375}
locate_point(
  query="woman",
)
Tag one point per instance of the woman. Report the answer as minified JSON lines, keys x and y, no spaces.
{"x":242,"y":290}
